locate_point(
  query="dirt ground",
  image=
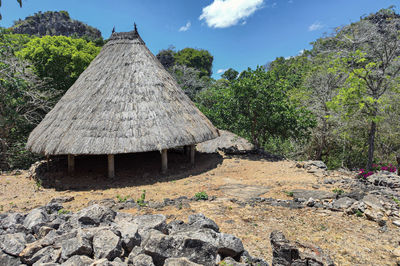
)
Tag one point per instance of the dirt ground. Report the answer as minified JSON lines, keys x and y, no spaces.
{"x":349,"y":240}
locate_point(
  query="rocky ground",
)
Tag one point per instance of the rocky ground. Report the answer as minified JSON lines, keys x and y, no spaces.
{"x":97,"y":235}
{"x":250,"y":196}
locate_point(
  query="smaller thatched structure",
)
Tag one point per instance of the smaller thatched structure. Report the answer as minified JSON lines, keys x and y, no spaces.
{"x":226,"y":140}
{"x":124,"y":102}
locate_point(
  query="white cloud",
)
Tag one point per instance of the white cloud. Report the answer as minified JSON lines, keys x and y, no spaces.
{"x":186,"y":27}
{"x":221,"y":71}
{"x":301,"y":52}
{"x":226,"y":13}
{"x":315,"y":26}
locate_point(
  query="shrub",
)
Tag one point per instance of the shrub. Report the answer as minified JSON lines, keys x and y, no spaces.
{"x":201,"y":196}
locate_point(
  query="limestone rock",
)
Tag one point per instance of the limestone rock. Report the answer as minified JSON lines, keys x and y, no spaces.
{"x":12,"y":244}
{"x":95,"y":214}
{"x":142,"y":260}
{"x":106,"y":244}
{"x":179,"y":262}
{"x":78,"y":260}
{"x":35,"y":219}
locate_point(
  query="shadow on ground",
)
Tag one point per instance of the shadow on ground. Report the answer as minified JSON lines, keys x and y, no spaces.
{"x":134,"y":169}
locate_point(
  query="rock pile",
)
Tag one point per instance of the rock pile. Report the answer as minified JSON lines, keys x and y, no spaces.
{"x":97,"y":235}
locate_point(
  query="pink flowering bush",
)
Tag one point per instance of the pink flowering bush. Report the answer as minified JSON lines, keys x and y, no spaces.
{"x":375,"y":168}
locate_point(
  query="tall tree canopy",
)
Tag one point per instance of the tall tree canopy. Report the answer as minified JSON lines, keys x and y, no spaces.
{"x":369,"y":53}
{"x":199,"y":59}
{"x":60,"y":58}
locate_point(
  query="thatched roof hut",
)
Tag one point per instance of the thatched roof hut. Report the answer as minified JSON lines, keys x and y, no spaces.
{"x":124,"y":102}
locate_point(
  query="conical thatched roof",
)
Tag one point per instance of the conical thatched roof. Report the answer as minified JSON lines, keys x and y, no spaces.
{"x":124,"y":102}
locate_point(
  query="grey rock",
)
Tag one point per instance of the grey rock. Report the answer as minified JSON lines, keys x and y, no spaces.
{"x":8,"y":260}
{"x":179,"y":262}
{"x":200,"y":221}
{"x":35,"y":219}
{"x":373,"y":201}
{"x":11,"y":219}
{"x":12,"y":244}
{"x":343,"y":203}
{"x":314,"y":164}
{"x":95,"y":214}
{"x":105,"y":262}
{"x":135,"y":252}
{"x":44,"y":252}
{"x":78,"y":260}
{"x":61,"y":200}
{"x":385,"y":179}
{"x":285,"y":253}
{"x":396,"y":223}
{"x":46,"y":255}
{"x":106,"y":244}
{"x":230,"y":246}
{"x":231,"y":262}
{"x":129,"y":235}
{"x":43,"y":231}
{"x":315,"y":194}
{"x":142,"y":260}
{"x":160,"y":247}
{"x":53,"y":208}
{"x":79,"y":245}
{"x":310,"y":202}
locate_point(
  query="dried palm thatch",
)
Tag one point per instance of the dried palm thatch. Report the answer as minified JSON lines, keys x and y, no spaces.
{"x":124,"y":102}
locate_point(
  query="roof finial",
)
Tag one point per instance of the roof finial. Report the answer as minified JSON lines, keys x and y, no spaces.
{"x":135,"y":27}
{"x":113,"y":30}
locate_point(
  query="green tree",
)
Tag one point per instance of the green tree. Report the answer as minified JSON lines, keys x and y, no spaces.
{"x":60,"y":58}
{"x":230,"y":74}
{"x":167,"y":57}
{"x":369,"y":53}
{"x":257,"y":106}
{"x":199,"y":59}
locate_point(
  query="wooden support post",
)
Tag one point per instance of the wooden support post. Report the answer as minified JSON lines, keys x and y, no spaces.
{"x":164,"y":161}
{"x":186,"y":149}
{"x":192,"y":153}
{"x":71,"y":164}
{"x":48,"y":163}
{"x":111,"y":168}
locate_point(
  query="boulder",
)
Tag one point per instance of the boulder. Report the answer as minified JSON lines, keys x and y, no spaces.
{"x":160,"y":247}
{"x":226,"y":140}
{"x":179,"y":262}
{"x":78,"y":260}
{"x":35,"y":219}
{"x":95,"y":214}
{"x":8,"y":260}
{"x":142,"y":260}
{"x":285,"y":253}
{"x":106,"y":244}
{"x":12,"y":244}
{"x":135,"y":252}
{"x":129,"y":235}
{"x":45,"y":255}
{"x":343,"y":203}
{"x":79,"y":245}
{"x":315,"y":194}
{"x":230,"y":246}
{"x":200,"y":221}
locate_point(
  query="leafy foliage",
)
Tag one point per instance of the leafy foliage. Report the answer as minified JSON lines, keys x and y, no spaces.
{"x":199,"y":59}
{"x":256,"y":106}
{"x":60,"y":58}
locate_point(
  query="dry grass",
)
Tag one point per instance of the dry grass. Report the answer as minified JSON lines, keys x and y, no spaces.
{"x":348,"y":239}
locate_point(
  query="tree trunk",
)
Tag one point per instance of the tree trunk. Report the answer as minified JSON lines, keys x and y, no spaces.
{"x":371,"y":145}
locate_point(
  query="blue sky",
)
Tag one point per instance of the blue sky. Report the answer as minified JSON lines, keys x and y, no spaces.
{"x":238,"y":33}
